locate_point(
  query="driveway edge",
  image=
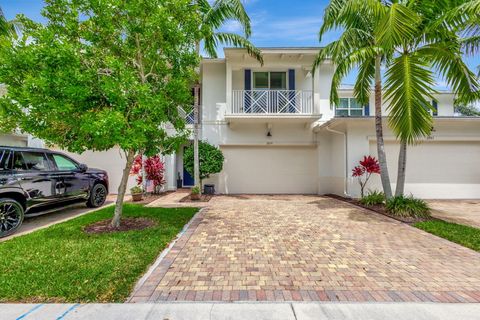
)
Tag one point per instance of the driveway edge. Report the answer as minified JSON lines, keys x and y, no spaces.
{"x":145,"y":287}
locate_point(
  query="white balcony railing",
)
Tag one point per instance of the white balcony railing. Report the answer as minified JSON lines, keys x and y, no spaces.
{"x":189,"y":115}
{"x":272,"y":102}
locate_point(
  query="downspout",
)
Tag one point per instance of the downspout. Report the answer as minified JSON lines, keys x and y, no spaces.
{"x":345,"y":152}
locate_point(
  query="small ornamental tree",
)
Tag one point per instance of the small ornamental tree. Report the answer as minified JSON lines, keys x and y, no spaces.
{"x":101,"y":74}
{"x":368,"y":166}
{"x":154,"y":171}
{"x":211,"y":160}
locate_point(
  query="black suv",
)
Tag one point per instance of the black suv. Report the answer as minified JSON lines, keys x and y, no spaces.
{"x":31,"y":179}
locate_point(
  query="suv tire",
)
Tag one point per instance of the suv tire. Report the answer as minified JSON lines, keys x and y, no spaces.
{"x":11,"y":216}
{"x":97,"y":197}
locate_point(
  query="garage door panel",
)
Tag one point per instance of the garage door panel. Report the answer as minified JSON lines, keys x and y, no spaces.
{"x":269,"y":170}
{"x":437,"y":169}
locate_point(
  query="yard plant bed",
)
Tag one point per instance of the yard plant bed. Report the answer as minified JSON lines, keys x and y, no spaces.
{"x":128,"y":224}
{"x":203,"y":198}
{"x":379,"y":209}
{"x":62,"y":263}
{"x":151,"y":197}
{"x":464,"y":235}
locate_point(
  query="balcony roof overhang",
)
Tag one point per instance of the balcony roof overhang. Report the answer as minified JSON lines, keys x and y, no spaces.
{"x":306,"y":119}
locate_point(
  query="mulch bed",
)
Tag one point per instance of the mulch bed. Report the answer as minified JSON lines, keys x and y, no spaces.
{"x":378,"y":209}
{"x":127,"y":224}
{"x":203,"y":198}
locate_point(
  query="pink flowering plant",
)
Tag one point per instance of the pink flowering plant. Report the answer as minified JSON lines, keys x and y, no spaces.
{"x":154,"y":170}
{"x":368,"y":166}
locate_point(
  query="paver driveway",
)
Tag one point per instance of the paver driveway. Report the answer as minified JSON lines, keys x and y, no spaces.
{"x":278,"y":248}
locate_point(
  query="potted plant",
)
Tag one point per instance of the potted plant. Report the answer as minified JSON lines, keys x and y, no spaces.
{"x":137,"y":193}
{"x":195,"y":194}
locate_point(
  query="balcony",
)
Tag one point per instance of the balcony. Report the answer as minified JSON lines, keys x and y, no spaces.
{"x":260,"y":105}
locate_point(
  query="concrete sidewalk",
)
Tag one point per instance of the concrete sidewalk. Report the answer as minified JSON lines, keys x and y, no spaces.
{"x":242,"y":311}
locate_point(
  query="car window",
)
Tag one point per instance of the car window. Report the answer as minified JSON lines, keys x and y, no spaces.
{"x":31,"y":161}
{"x":63,"y":163}
{"x":4,"y":160}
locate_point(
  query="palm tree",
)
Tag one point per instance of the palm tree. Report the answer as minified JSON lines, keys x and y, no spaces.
{"x":213,"y":17}
{"x":8,"y":29}
{"x":358,"y":47}
{"x":434,"y":46}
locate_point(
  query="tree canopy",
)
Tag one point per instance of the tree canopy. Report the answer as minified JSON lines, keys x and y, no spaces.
{"x":211,"y":160}
{"x":101,"y":74}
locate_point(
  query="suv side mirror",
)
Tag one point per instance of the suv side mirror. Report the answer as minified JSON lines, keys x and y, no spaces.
{"x":83,"y":167}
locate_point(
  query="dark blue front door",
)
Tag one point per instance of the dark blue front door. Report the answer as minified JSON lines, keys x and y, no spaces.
{"x":188,"y":180}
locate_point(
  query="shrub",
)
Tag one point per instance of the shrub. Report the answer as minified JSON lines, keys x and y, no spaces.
{"x":368,"y":166}
{"x":195,"y":190}
{"x":210,"y":157}
{"x":408,"y":207}
{"x":373,"y":198}
{"x":136,"y":190}
{"x":154,"y":171}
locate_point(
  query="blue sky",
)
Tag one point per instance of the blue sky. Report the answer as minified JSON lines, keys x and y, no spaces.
{"x":275,"y":23}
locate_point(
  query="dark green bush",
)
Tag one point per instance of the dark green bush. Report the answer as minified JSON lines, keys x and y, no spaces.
{"x":373,"y":198}
{"x":408,"y":207}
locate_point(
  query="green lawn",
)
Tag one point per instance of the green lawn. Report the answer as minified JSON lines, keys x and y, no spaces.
{"x":63,"y":264}
{"x":464,"y":235}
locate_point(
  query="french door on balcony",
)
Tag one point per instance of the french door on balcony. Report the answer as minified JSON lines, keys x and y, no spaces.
{"x":269,"y":94}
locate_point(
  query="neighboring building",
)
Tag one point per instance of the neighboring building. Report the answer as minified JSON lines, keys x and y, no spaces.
{"x":280,"y":134}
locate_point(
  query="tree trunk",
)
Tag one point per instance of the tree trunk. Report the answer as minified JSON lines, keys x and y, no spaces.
{"x":196,"y":113}
{"x":402,"y":166}
{"x":196,"y":160}
{"x":122,"y":188}
{"x":382,"y":158}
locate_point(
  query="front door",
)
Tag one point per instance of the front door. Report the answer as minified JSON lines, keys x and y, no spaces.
{"x":188,"y":180}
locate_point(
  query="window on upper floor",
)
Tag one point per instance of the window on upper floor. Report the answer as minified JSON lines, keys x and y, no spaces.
{"x":270,"y":80}
{"x":349,"y":107}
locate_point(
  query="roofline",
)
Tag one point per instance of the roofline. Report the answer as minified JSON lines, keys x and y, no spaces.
{"x":276,"y":48}
{"x":437,"y":91}
{"x":338,"y":120}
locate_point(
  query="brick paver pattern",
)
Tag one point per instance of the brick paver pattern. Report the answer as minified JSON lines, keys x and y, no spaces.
{"x":307,"y":248}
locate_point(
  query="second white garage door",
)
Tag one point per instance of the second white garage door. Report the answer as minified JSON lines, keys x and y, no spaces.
{"x":437,"y":169}
{"x":269,"y":170}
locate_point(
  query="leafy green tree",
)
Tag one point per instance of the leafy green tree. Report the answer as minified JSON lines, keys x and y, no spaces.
{"x":468,"y":110}
{"x":102,"y":74}
{"x":213,"y":17}
{"x":358,"y":47}
{"x":211,"y":160}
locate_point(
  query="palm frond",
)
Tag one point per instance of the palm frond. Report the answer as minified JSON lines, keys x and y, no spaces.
{"x":408,"y":89}
{"x":398,"y":25}
{"x":240,"y":42}
{"x":344,"y":65}
{"x":447,"y":59}
{"x":223,"y":10}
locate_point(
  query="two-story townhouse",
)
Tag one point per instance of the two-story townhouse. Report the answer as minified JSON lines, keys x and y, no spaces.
{"x":281,"y":135}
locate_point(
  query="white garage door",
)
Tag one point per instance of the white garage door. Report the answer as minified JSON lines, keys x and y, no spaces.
{"x":269,"y":170}
{"x":438,"y":169}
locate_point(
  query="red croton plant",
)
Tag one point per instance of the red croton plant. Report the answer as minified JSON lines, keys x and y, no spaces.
{"x":368,"y":166}
{"x":154,"y":171}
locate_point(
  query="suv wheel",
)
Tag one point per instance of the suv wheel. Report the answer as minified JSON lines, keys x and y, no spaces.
{"x":98,"y":195}
{"x":11,"y":216}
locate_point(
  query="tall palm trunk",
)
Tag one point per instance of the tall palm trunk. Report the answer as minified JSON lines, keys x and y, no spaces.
{"x":196,"y":116}
{"x":382,"y":158}
{"x":122,"y":188}
{"x":402,"y":165}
